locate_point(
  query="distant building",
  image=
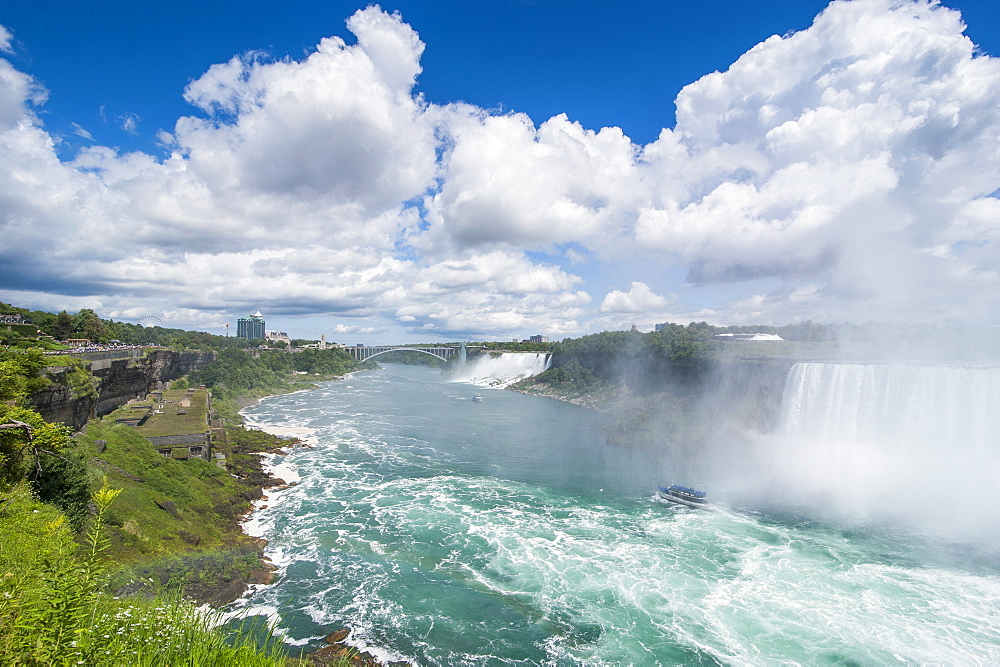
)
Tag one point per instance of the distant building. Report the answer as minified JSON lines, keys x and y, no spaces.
{"x":748,"y":337}
{"x":250,"y":327}
{"x":275,"y":336}
{"x":538,"y":339}
{"x":13,"y":318}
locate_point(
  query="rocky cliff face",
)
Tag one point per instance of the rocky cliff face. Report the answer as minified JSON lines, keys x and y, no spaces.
{"x":744,"y":394}
{"x":121,"y":380}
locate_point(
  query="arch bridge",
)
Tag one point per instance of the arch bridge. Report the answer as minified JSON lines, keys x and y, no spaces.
{"x":366,"y":352}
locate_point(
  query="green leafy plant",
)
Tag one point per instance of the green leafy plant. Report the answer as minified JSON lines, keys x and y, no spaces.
{"x":53,"y":610}
{"x":80,"y":379}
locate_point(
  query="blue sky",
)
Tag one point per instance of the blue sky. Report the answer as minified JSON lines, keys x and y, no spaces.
{"x":483,"y":198}
{"x":601,"y":63}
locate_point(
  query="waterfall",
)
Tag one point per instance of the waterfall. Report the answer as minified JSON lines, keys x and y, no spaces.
{"x":925,"y":407}
{"x":501,"y":370}
{"x":921,"y":442}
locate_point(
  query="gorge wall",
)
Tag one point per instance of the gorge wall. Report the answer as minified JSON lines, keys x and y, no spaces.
{"x":119,"y":381}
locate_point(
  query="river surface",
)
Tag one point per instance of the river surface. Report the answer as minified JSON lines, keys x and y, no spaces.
{"x":447,"y":531}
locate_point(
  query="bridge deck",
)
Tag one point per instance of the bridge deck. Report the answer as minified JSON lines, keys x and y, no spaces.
{"x":363,"y":353}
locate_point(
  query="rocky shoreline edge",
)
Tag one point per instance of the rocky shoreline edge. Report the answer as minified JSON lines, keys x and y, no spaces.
{"x":337,"y":651}
{"x":603,"y":400}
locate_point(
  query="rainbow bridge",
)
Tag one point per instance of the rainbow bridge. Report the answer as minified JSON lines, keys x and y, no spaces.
{"x":366,"y":352}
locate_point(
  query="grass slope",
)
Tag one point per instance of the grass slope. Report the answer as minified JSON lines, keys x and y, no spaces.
{"x":175,"y":525}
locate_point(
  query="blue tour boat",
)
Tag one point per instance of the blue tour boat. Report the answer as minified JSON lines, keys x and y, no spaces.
{"x":682,"y":495}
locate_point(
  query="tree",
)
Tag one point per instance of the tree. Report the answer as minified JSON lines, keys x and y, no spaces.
{"x":24,"y":434}
{"x":89,"y":325}
{"x":24,"y":437}
{"x":21,"y":374}
{"x":63,"y":327}
{"x":62,"y":480}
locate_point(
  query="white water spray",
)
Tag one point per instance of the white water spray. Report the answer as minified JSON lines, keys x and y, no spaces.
{"x":501,"y":370}
{"x":920,"y":443}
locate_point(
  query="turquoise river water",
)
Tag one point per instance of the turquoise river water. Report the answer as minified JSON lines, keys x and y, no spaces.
{"x":447,"y":531}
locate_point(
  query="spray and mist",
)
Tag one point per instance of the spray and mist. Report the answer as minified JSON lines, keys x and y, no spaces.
{"x":904,"y":441}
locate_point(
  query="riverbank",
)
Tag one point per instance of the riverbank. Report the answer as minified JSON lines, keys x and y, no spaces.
{"x":602,"y":398}
{"x":250,"y":458}
{"x":177,"y":526}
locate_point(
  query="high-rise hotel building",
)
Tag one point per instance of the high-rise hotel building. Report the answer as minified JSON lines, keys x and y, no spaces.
{"x":250,"y":327}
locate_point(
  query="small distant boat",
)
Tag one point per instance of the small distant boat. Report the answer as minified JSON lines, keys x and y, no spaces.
{"x":477,"y":397}
{"x":682,"y":495}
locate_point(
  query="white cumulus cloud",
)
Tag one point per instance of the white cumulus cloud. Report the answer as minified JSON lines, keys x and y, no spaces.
{"x":639,"y":299}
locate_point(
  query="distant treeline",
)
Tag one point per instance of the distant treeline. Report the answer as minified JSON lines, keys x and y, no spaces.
{"x":235,"y":373}
{"x":87,"y":324}
{"x":515,"y":346}
{"x":683,"y":352}
{"x":631,"y":356}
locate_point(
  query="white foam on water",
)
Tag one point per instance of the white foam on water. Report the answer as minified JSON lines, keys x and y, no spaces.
{"x":282,"y":470}
{"x":368,"y":540}
{"x":709,"y":582}
{"x":305,"y":433}
{"x":261,"y":519}
{"x":256,"y":525}
{"x":242,"y":609}
{"x":281,"y":466}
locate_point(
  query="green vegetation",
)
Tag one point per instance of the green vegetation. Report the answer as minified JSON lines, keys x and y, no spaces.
{"x":87,"y":324}
{"x":21,"y":373}
{"x":410,"y":359}
{"x":181,"y":503}
{"x":32,"y":450}
{"x":79,"y":377}
{"x":172,"y":528}
{"x":597,"y":362}
{"x":515,"y":346}
{"x":166,"y":507}
{"x":570,"y":381}
{"x":237,"y":375}
{"x":53,"y":609}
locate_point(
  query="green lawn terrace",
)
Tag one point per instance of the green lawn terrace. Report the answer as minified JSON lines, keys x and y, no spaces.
{"x":175,"y":421}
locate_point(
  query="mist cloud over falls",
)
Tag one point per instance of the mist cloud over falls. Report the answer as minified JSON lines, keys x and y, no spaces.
{"x":905,"y":443}
{"x":848,"y":171}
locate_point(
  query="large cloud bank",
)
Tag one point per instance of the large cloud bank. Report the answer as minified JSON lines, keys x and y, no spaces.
{"x":848,"y":171}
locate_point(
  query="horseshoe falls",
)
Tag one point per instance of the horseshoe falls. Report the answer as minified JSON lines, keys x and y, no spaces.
{"x":507,"y":531}
{"x":899,"y":443}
